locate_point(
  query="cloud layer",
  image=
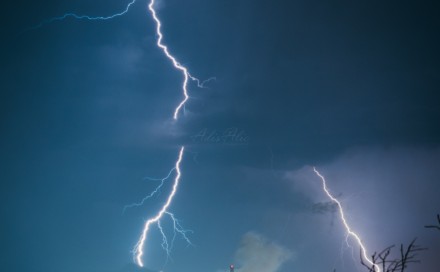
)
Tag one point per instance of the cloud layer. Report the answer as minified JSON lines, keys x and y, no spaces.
{"x":258,"y":254}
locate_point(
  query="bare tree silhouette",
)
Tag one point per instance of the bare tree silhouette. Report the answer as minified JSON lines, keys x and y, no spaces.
{"x":383,"y":259}
{"x":435,"y":226}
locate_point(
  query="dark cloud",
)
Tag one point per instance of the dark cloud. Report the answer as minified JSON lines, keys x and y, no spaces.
{"x":324,"y":207}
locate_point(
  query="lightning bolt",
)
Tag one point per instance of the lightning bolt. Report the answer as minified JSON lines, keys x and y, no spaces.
{"x":350,"y":232}
{"x":186,"y":75}
{"x":177,"y":227}
{"x":138,"y":250}
{"x":184,"y":70}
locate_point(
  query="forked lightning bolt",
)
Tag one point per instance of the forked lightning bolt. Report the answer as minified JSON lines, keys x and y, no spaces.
{"x":350,"y":232}
{"x":139,"y":248}
{"x":177,"y":229}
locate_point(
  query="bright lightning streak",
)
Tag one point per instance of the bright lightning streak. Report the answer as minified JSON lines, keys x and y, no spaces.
{"x":186,"y":75}
{"x":138,"y":250}
{"x":85,"y":17}
{"x":344,"y":221}
{"x":177,"y":228}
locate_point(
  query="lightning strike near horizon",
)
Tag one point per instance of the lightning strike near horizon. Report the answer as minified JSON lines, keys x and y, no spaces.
{"x":350,"y":232}
{"x":138,"y":249}
{"x":177,"y":228}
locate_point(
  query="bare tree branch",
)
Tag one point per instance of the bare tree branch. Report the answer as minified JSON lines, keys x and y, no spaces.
{"x":382,"y":259}
{"x":435,"y":226}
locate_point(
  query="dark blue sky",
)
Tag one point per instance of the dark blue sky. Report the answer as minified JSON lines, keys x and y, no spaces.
{"x":85,"y":116}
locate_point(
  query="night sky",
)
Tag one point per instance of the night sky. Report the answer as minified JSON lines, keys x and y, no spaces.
{"x":351,"y":87}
